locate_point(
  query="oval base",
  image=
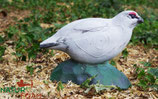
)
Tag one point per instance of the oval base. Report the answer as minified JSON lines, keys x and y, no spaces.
{"x":79,"y":72}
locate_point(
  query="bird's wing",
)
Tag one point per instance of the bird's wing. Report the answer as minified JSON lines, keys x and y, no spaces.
{"x":96,"y":45}
{"x":93,"y":37}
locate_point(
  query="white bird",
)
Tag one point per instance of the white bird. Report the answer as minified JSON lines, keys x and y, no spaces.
{"x":94,"y":40}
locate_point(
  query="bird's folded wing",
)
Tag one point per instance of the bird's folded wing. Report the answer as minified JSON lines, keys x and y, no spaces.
{"x":95,"y":45}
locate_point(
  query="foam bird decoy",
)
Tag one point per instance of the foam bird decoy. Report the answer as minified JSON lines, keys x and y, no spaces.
{"x":94,"y":40}
{"x":91,"y":42}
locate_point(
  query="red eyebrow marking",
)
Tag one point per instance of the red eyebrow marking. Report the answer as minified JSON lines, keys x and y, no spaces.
{"x":133,"y":13}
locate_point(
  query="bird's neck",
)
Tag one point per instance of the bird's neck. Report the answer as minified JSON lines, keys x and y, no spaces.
{"x":126,"y":30}
{"x":117,"y":21}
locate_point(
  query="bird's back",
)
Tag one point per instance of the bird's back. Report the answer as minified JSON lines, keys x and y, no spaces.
{"x":82,"y":25}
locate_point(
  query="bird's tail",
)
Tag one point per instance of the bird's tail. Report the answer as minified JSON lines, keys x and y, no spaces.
{"x":50,"y":42}
{"x":53,"y":43}
{"x":48,"y":45}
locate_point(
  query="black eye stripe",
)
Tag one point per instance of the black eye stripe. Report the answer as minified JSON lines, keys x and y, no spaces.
{"x":133,"y":16}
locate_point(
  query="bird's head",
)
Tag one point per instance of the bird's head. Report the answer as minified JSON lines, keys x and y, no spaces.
{"x":128,"y":18}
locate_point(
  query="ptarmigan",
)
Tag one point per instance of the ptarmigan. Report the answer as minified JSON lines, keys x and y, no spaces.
{"x":94,"y":40}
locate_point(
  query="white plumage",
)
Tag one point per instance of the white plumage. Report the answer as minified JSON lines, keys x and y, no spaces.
{"x":94,"y":40}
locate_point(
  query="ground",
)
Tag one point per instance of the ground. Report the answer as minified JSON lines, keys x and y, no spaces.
{"x":12,"y":71}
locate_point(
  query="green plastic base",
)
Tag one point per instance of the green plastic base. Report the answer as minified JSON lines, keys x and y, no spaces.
{"x":79,"y":72}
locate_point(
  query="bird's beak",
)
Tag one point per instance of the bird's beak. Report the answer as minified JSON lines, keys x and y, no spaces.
{"x":140,"y":20}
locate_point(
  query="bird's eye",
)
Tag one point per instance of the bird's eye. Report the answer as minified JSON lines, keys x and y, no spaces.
{"x":133,"y":16}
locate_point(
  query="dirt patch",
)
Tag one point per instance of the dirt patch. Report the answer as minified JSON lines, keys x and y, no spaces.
{"x":8,"y":18}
